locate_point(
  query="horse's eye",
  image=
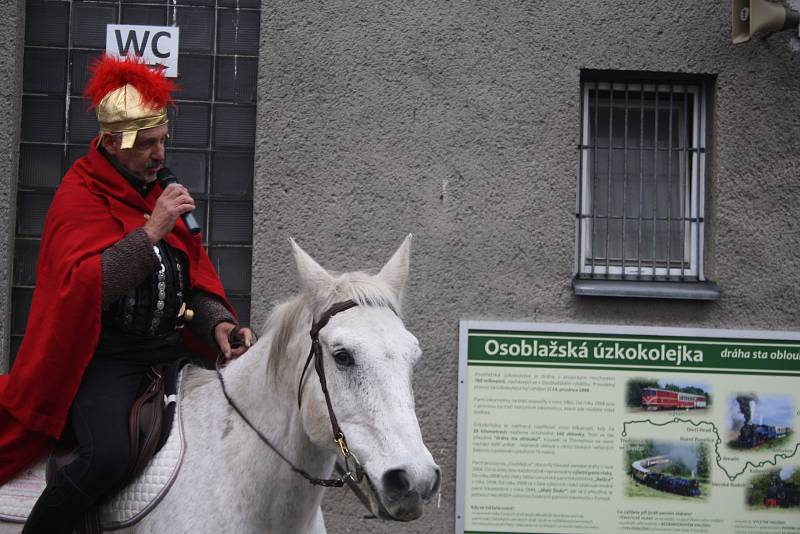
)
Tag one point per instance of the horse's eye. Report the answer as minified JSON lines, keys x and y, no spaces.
{"x":343,"y":357}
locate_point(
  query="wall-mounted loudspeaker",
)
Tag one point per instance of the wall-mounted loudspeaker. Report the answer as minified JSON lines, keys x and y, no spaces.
{"x":752,"y":16}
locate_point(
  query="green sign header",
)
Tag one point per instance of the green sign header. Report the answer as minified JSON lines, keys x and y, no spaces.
{"x":619,"y":350}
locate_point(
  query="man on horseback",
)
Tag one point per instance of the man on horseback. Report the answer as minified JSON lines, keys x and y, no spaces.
{"x":117,"y":275}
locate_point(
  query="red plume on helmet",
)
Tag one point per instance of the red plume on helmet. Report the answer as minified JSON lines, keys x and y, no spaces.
{"x":110,"y":73}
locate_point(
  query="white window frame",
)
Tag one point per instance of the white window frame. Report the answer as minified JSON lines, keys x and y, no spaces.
{"x":693,"y":195}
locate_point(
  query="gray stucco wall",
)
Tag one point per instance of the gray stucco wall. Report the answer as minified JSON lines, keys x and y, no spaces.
{"x":12,"y":28}
{"x":457,"y":122}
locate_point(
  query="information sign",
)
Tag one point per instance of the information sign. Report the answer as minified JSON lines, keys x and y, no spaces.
{"x":567,"y":429}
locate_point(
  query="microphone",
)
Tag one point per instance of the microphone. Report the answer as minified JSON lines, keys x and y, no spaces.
{"x":166,"y":177}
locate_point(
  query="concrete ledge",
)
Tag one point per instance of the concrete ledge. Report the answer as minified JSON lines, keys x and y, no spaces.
{"x":647,"y":289}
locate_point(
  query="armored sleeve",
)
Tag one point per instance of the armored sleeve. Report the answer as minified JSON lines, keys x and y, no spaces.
{"x":208,"y":313}
{"x":126,"y":264}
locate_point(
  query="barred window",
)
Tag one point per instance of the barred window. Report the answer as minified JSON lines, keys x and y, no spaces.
{"x":640,"y":206}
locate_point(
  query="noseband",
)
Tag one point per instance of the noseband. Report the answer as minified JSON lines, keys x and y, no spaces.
{"x":352,"y":472}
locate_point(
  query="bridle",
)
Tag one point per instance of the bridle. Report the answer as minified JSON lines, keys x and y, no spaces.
{"x":316,"y":354}
{"x":352,"y":473}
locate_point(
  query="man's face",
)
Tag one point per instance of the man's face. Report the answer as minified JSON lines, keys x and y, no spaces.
{"x":145,"y":157}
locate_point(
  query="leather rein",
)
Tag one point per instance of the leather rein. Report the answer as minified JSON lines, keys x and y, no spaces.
{"x":352,"y":473}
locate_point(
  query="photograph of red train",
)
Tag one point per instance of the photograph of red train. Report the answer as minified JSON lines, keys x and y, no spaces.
{"x":664,"y":399}
{"x":653,"y":395}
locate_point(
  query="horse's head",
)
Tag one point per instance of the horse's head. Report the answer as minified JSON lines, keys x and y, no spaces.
{"x":368,"y":358}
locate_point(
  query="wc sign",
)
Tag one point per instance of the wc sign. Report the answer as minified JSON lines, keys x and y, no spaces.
{"x":156,"y":45}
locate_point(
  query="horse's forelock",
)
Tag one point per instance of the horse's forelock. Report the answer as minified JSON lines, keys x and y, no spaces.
{"x":363,"y":288}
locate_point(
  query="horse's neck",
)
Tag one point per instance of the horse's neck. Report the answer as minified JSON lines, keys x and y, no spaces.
{"x":268,"y":400}
{"x":265,"y":398}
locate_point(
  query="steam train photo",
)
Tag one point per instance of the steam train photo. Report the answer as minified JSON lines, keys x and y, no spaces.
{"x":642,"y":473}
{"x":752,"y":435}
{"x":665,"y":399}
{"x":782,"y":493}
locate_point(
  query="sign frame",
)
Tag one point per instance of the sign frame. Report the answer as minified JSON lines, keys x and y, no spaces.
{"x":467,"y":325}
{"x":147,"y":48}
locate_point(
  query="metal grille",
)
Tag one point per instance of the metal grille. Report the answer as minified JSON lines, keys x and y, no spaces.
{"x":212,"y":130}
{"x":640,"y":180}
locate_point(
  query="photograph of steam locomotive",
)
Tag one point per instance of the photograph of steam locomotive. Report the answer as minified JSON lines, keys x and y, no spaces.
{"x":778,"y":488}
{"x":667,"y":470}
{"x":760,"y":421}
{"x":648,"y":394}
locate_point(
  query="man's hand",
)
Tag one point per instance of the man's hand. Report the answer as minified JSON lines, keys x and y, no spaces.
{"x":174,"y":201}
{"x":244,"y":338}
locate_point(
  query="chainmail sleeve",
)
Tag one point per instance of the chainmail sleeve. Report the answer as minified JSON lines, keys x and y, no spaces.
{"x":208,"y":313}
{"x":126,"y":264}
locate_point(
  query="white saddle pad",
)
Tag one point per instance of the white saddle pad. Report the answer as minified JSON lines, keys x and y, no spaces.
{"x":129,"y":505}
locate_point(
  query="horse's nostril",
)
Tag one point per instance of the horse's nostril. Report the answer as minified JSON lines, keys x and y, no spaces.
{"x":396,"y":483}
{"x":437,"y":482}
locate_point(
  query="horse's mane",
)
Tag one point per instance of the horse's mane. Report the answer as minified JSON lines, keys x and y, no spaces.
{"x":302,"y":309}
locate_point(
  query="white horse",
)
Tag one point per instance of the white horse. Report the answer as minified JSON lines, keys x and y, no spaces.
{"x":230,"y":481}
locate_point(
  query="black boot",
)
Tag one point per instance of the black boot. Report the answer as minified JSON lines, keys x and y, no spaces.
{"x":57,"y":510}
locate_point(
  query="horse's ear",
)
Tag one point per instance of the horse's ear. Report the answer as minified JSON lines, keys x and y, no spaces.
{"x":312,"y":274}
{"x":395,"y":272}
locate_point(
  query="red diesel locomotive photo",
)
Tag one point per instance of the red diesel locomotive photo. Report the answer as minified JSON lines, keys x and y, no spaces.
{"x":664,"y":399}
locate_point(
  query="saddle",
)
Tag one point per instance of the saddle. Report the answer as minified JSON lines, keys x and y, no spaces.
{"x":145,"y":424}
{"x":129,"y":505}
{"x":149,"y":424}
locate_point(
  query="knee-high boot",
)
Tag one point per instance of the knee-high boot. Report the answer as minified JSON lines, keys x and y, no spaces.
{"x":58,"y":509}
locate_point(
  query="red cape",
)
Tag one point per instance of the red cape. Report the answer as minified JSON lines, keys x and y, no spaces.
{"x":93,"y":208}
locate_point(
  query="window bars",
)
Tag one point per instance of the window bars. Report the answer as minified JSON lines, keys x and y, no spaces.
{"x":641,"y":181}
